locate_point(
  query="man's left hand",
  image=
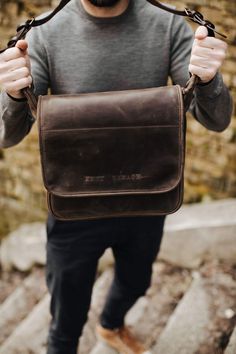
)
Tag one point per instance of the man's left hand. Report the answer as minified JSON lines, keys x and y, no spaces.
{"x":208,"y":54}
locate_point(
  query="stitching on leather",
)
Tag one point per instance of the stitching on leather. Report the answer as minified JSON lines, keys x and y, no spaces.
{"x":179,"y":189}
{"x":180,"y":116}
{"x":110,"y":128}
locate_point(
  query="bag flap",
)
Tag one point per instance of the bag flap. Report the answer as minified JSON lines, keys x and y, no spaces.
{"x":126,"y":142}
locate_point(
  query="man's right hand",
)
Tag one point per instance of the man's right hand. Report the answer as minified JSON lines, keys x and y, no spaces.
{"x":15,"y":70}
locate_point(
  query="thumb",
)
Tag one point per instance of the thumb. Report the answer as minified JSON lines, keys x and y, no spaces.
{"x":201,"y":32}
{"x":22,"y":45}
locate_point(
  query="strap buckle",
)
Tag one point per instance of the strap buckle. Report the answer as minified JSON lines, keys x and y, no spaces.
{"x":197,"y":17}
{"x":26,"y":26}
{"x":22,"y":30}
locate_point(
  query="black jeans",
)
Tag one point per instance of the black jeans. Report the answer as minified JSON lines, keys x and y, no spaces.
{"x":73,"y":250}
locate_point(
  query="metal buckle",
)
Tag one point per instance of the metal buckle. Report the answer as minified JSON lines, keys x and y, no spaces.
{"x":22,"y":30}
{"x":197,"y":17}
{"x":27,"y":25}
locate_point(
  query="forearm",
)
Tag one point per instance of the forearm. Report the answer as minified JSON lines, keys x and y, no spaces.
{"x":15,"y":121}
{"x":212,"y":105}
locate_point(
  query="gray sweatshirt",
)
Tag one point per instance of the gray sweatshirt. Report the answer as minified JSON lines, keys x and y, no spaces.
{"x":76,"y":53}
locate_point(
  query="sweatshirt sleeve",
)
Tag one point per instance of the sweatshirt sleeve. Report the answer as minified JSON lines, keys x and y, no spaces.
{"x":15,"y":117}
{"x":212,"y":104}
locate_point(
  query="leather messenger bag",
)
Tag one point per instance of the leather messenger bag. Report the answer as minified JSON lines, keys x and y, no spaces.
{"x":113,"y":154}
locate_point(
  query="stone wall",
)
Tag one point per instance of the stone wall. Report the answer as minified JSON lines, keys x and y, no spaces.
{"x":210,"y":163}
{"x":22,"y":198}
{"x":211,"y":157}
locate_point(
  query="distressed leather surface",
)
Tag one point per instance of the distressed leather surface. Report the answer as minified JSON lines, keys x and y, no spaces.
{"x":113,"y":154}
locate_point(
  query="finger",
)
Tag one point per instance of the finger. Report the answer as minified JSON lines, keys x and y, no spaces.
{"x":22,"y":45}
{"x":12,"y":65}
{"x":201,"y":33}
{"x":204,"y":73}
{"x":212,"y":43}
{"x":12,"y":53}
{"x":207,"y":52}
{"x":15,"y":75}
{"x":204,"y":62}
{"x":18,"y":85}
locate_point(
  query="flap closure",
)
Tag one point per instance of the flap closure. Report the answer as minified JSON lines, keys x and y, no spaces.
{"x":126,"y":142}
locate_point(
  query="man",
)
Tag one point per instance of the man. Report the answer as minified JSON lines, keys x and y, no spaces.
{"x":104,"y":45}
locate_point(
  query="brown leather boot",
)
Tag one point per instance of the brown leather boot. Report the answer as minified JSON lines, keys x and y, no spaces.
{"x":121,"y":339}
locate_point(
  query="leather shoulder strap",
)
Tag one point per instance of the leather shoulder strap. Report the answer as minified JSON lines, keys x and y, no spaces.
{"x":22,"y":30}
{"x":194,"y":16}
{"x":166,"y":8}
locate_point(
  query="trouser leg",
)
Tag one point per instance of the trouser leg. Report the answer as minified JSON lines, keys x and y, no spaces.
{"x":133,"y":267}
{"x":73,"y":251}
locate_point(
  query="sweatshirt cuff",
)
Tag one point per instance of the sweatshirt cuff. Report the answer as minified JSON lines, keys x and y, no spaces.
{"x":11,"y":104}
{"x":24,"y":99}
{"x":14,"y":108}
{"x":211,"y":90}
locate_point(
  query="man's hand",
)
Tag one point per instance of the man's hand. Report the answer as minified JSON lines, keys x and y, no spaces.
{"x":15,"y":69}
{"x":208,"y":54}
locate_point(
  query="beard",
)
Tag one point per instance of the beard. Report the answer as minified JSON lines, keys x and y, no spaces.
{"x":104,"y":3}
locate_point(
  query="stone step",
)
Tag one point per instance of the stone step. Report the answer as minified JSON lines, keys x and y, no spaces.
{"x":143,"y":318}
{"x":186,"y":328}
{"x":24,"y":247}
{"x":167,"y":341}
{"x":88,"y":339}
{"x":231,"y":348}
{"x":30,"y":336}
{"x":205,"y":214}
{"x":146,"y":319}
{"x":102,"y":348}
{"x":19,"y":304}
{"x":148,"y":316}
{"x":189,"y":328}
{"x":201,"y":225}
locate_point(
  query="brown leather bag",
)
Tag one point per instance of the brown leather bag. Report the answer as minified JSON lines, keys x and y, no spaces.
{"x":113,"y":154}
